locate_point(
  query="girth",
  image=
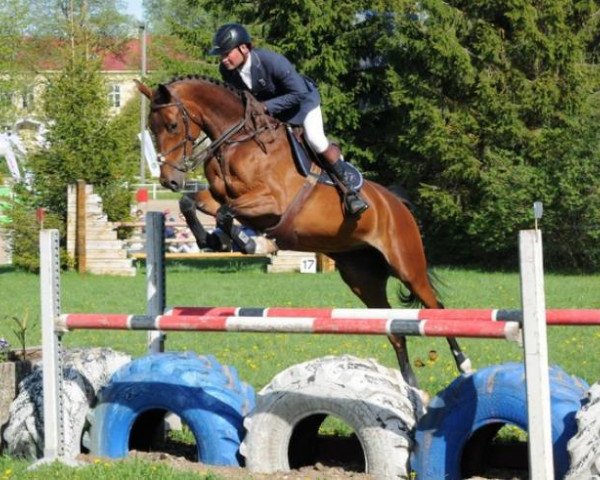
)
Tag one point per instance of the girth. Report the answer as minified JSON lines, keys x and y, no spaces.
{"x":283,"y":232}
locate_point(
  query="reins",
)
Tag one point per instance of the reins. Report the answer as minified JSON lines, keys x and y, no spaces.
{"x":194,"y":159}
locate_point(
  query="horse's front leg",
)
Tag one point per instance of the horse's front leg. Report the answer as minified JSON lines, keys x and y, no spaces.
{"x":203,"y":201}
{"x":255,"y":209}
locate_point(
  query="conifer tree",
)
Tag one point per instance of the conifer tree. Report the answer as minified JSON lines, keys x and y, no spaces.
{"x":83,"y":142}
{"x":478,"y":108}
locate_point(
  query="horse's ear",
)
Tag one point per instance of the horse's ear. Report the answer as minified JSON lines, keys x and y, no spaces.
{"x":144,"y":89}
{"x":163,"y":94}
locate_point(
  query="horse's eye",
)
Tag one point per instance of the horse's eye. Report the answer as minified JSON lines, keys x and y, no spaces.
{"x":171,"y":127}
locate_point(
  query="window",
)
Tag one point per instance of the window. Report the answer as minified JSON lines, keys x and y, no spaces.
{"x":114,"y":95}
{"x":27,"y":98}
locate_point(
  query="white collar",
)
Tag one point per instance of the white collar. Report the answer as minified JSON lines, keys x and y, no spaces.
{"x":245,"y":71}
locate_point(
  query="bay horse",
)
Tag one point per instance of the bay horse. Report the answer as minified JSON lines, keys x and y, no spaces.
{"x":250,"y":169}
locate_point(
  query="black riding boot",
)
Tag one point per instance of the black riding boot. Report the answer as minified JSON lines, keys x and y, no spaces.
{"x":353,"y":204}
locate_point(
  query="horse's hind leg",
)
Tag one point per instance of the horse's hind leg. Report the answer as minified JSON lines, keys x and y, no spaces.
{"x":463,"y":363}
{"x":366,"y":273}
{"x":423,"y":290}
{"x":411,"y":269}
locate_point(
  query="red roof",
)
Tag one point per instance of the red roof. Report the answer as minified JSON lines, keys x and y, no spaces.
{"x":129,"y":58}
{"x":50,"y":54}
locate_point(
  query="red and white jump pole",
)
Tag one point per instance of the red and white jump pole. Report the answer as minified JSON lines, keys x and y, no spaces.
{"x":297,"y":324}
{"x":553,"y":316}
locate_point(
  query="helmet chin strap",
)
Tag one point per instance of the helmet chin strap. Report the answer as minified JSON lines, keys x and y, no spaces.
{"x":245,"y":55}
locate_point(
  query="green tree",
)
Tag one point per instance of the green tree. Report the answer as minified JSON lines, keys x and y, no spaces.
{"x":493,"y":109}
{"x":193,"y":24}
{"x":98,"y":23}
{"x":15,"y":61}
{"x":83,"y":141}
{"x":478,"y":108}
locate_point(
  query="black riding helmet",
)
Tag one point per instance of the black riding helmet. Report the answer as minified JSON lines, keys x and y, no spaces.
{"x":228,"y":37}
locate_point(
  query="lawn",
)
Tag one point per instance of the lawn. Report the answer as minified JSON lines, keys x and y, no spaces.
{"x":258,"y":357}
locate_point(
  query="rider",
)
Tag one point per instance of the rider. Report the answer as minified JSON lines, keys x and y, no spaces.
{"x":285,"y":94}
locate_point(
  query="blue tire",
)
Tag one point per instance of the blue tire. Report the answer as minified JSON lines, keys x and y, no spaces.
{"x":207,"y":396}
{"x":453,"y":437}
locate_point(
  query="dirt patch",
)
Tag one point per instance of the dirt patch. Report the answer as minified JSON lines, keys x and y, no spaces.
{"x":317,"y":471}
{"x":312,"y":472}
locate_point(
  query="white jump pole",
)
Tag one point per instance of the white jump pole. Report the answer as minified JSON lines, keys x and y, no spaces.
{"x":52,"y":372}
{"x":535,"y":351}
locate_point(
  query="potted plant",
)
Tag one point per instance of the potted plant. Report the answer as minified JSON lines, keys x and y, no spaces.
{"x":15,"y":365}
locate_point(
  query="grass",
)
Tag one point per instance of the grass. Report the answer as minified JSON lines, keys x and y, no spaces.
{"x":258,"y":357}
{"x":130,"y":469}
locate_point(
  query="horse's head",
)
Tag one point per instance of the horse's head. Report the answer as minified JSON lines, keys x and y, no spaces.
{"x":175,"y":132}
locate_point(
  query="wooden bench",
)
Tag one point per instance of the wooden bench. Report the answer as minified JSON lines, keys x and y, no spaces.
{"x":201,"y":255}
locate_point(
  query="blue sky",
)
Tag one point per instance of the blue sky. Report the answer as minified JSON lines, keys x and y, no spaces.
{"x":134,"y":7}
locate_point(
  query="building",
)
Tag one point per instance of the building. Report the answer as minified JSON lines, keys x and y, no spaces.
{"x":119,"y":70}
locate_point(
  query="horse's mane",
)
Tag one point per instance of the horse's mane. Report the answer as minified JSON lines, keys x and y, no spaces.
{"x":214,"y":81}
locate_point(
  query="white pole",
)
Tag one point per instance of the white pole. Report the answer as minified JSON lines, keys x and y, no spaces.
{"x":541,"y":466}
{"x":143,"y":101}
{"x":50,"y":311}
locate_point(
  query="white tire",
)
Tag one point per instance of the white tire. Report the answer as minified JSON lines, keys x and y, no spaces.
{"x":85,"y":372}
{"x":375,"y":401}
{"x":584,"y":447}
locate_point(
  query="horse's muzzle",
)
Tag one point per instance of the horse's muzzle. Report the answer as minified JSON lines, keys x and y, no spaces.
{"x":173,"y":179}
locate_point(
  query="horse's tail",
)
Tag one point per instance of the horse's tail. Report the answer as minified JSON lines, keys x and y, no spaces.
{"x":409,"y":299}
{"x":437,"y":284}
{"x":404,"y":295}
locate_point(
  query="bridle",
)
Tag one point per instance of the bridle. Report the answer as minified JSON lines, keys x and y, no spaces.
{"x":189,"y":162}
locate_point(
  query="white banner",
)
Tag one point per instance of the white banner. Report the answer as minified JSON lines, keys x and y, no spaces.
{"x":6,"y":150}
{"x":150,"y":153}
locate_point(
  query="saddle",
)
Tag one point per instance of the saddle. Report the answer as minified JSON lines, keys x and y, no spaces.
{"x":305,"y":156}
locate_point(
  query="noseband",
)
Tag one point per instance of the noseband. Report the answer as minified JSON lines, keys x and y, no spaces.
{"x":188,"y":163}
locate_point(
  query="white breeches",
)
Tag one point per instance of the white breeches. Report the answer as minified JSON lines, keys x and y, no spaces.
{"x":314,"y":131}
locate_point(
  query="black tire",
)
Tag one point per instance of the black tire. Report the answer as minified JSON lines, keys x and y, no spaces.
{"x":85,"y":372}
{"x":375,"y":401}
{"x":454,"y":438}
{"x":206,"y":395}
{"x":584,"y":447}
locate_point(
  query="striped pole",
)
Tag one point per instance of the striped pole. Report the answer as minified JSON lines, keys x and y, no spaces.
{"x":339,"y":325}
{"x":553,"y":316}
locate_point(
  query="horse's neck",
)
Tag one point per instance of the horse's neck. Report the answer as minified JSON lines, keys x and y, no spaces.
{"x":220,"y":110}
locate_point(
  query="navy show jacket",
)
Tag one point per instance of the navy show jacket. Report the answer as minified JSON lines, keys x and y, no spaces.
{"x":288,"y":95}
